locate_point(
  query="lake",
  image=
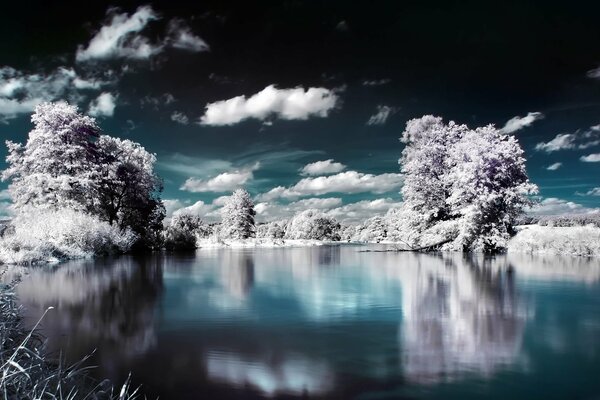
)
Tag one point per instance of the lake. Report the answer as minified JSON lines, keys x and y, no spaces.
{"x":330,"y":322}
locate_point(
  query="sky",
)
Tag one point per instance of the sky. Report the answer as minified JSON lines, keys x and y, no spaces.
{"x":303,"y":102}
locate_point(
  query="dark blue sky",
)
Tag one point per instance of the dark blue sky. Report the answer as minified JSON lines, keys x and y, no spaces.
{"x":166,"y":61}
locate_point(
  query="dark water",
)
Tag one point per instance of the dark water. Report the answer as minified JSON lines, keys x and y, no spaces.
{"x":329,"y":322}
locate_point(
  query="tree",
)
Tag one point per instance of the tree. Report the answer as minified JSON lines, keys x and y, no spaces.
{"x":463,"y":185}
{"x":127,"y":190}
{"x":271,"y":230}
{"x":182,"y":231}
{"x":59,"y":163}
{"x":237,"y":216}
{"x":67,"y":163}
{"x":313,"y":224}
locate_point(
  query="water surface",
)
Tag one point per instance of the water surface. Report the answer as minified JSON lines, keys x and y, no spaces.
{"x":329,"y":322}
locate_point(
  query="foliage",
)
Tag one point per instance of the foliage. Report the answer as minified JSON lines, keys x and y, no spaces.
{"x":466,"y":185}
{"x":271,"y":230}
{"x":182,"y":232}
{"x":237,"y":216}
{"x":67,"y":163}
{"x":570,"y":220}
{"x":40,"y":235}
{"x":573,"y":241}
{"x":313,"y":224}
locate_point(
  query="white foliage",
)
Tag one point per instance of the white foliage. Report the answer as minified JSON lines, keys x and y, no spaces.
{"x":312,"y":224}
{"x":572,"y":241}
{"x":464,"y":185}
{"x":237,"y":216}
{"x":38,"y":235}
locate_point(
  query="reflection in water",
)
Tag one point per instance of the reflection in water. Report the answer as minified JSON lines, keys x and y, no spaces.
{"x":303,"y":321}
{"x":109,"y":302}
{"x":459,"y":315}
{"x":288,"y":375}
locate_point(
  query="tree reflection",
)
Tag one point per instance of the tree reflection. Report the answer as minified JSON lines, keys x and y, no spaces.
{"x":459,"y":315}
{"x":110,"y":302}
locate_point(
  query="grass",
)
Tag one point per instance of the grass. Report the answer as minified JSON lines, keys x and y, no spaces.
{"x":27,"y":372}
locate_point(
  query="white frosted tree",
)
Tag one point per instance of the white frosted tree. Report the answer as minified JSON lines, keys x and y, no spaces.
{"x":462,"y":185}
{"x":237,"y":216}
{"x":182,"y":231}
{"x":58,"y":165}
{"x":67,"y":163}
{"x":313,"y":224}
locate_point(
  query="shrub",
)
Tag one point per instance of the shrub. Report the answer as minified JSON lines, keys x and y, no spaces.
{"x":575,"y":241}
{"x":182,"y":232}
{"x":49,"y":235}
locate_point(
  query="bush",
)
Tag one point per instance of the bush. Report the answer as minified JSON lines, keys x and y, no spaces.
{"x":182,"y":232}
{"x":570,"y":220}
{"x":50,"y":235}
{"x":575,"y":241}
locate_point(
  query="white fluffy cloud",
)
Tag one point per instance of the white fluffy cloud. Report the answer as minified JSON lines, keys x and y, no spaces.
{"x":322,"y":168}
{"x":296,"y":103}
{"x":181,"y":37}
{"x":580,"y":139}
{"x":343,"y":182}
{"x":554,"y":167}
{"x":517,"y":123}
{"x":120,"y":38}
{"x":224,"y":182}
{"x":592,"y":192}
{"x":353,"y":212}
{"x":361,"y":210}
{"x":103,"y":105}
{"x":381,"y":115}
{"x":20,"y":92}
{"x":562,"y":141}
{"x":556,"y":206}
{"x":594,"y":73}
{"x":180,"y":118}
{"x":591,"y":158}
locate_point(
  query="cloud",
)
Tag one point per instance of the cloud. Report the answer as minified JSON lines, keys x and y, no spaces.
{"x":556,"y":206}
{"x":322,"y":168}
{"x":580,"y":139}
{"x":381,"y":116}
{"x":554,"y":167}
{"x":376,"y":82}
{"x":342,"y":26}
{"x":20,"y":92}
{"x":594,"y":73}
{"x":199,"y":208}
{"x":120,"y":38}
{"x":224,"y":182}
{"x":517,"y":123}
{"x":332,"y":207}
{"x":591,"y":158}
{"x":359,"y":211}
{"x":180,"y":118}
{"x":181,"y":37}
{"x":592,"y":192}
{"x":186,"y":165}
{"x":103,"y":105}
{"x":288,"y":104}
{"x":344,"y":182}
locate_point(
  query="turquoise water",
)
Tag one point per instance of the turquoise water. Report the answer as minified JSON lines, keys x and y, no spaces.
{"x":329,"y":322}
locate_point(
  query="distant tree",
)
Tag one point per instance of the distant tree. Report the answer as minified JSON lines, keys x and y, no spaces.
{"x":463,"y":185}
{"x":313,"y":224}
{"x":182,"y":232}
{"x":373,"y":229}
{"x":271,"y":230}
{"x":237,"y":216}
